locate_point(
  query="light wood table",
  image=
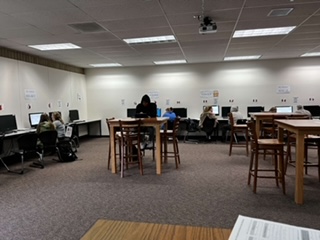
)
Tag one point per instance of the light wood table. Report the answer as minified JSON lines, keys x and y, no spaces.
{"x":300,"y":128}
{"x":262,"y":116}
{"x":122,"y":230}
{"x":145,"y":122}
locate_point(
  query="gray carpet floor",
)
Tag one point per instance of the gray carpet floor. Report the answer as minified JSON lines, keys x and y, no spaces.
{"x":63,"y":200}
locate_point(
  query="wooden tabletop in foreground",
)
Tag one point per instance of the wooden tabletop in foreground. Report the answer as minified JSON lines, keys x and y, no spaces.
{"x":122,"y":230}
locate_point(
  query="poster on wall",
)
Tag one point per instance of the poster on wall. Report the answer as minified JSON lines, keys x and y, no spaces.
{"x":206,"y":93}
{"x":154,"y":95}
{"x":30,"y":94}
{"x":283,"y":89}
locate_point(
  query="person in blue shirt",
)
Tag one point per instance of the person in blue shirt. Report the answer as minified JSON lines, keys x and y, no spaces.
{"x":171,"y":115}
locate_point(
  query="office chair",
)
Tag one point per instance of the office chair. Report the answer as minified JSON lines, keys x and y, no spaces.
{"x":48,"y":141}
{"x":192,"y":127}
{"x":209,"y":127}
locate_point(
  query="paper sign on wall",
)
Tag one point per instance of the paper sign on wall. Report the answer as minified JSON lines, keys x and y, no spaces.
{"x":153,"y":94}
{"x":30,"y":94}
{"x":59,"y":103}
{"x":167,"y":102}
{"x":206,"y":94}
{"x":283,"y":89}
{"x":122,"y":102}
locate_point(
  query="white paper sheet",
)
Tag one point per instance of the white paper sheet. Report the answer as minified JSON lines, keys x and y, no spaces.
{"x":247,"y":228}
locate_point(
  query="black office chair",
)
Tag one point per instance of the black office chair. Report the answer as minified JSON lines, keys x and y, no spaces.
{"x":192,"y":127}
{"x":209,"y":126}
{"x":27,"y":143}
{"x":48,"y":141}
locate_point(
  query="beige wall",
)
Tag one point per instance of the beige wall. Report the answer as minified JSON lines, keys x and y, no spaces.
{"x":51,"y":85}
{"x":238,"y":81}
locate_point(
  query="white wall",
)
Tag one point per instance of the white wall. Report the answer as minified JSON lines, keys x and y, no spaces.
{"x":50,"y":85}
{"x":238,"y":81}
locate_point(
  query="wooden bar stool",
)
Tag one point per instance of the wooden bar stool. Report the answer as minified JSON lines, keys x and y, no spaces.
{"x":171,"y":136}
{"x":117,"y":141}
{"x":238,"y":128}
{"x":258,"y":146}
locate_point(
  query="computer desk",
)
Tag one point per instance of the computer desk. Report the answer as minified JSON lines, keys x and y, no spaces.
{"x":90,"y":128}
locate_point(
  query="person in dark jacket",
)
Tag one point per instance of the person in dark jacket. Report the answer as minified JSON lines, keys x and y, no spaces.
{"x":147,"y":107}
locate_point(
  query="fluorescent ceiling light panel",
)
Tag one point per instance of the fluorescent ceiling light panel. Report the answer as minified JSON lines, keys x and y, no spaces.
{"x":170,"y":62}
{"x":263,"y":32}
{"x":237,"y":58}
{"x":57,"y":46}
{"x":158,"y":39}
{"x":312,"y":54}
{"x":106,"y":65}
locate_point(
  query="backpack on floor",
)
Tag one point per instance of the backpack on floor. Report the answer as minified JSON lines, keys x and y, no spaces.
{"x":65,"y":151}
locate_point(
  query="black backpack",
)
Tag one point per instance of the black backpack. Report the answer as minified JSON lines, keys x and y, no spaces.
{"x":65,"y":152}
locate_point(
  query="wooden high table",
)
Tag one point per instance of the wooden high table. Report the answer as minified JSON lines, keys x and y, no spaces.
{"x":300,"y":128}
{"x":261,"y":116}
{"x":145,"y":122}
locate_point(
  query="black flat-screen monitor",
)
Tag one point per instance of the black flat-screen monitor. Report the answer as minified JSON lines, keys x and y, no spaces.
{"x":50,"y":114}
{"x":215,"y":109}
{"x":225,"y":110}
{"x":7,"y":123}
{"x":131,"y":112}
{"x":284,"y":109}
{"x":34,"y":119}
{"x":254,"y":109}
{"x":158,"y":112}
{"x":180,"y":112}
{"x":73,"y":115}
{"x":313,"y":109}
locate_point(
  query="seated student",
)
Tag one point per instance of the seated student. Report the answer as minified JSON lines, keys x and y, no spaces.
{"x":208,"y":121}
{"x":150,"y":109}
{"x":59,"y":125}
{"x":236,"y":117}
{"x":171,"y":115}
{"x":147,"y":107}
{"x":303,"y":111}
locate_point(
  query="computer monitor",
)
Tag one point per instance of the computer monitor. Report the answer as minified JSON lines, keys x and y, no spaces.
{"x":158,"y":112}
{"x":284,"y":109}
{"x":34,"y":119}
{"x":180,"y":112}
{"x":131,"y":112}
{"x":7,"y":123}
{"x":225,"y":110}
{"x":50,"y":114}
{"x":73,"y":115}
{"x":254,"y":109}
{"x":313,"y":109}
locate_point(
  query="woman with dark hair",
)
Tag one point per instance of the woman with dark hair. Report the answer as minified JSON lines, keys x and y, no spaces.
{"x":45,"y":124}
{"x":147,"y":107}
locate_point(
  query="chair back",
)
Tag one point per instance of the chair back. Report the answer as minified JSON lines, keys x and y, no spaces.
{"x":252,"y":135}
{"x":130,"y":129}
{"x":48,"y":138}
{"x":28,"y":142}
{"x":231,"y":120}
{"x":68,"y":132}
{"x":208,"y":125}
{"x":176,"y":124}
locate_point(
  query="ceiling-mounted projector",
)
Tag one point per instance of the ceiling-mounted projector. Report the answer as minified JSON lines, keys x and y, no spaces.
{"x":207,"y":26}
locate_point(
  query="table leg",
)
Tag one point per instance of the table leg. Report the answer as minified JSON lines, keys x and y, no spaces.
{"x":299,"y":167}
{"x":113,"y":150}
{"x":258,"y":127}
{"x":158,"y":149}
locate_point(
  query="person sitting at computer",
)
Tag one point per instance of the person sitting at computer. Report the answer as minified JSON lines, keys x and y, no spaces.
{"x":171,"y":115}
{"x":59,"y":125}
{"x":237,"y":115}
{"x":147,"y":107}
{"x":45,"y":124}
{"x":303,"y":111}
{"x":208,"y":121}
